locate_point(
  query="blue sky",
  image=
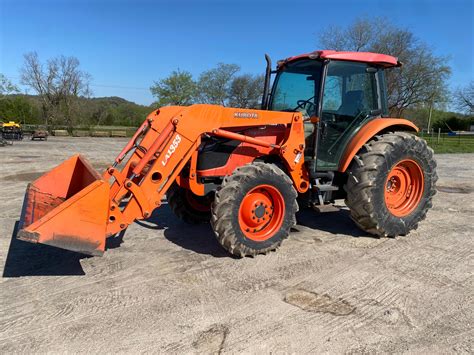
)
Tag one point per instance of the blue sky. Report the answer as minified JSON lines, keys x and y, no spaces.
{"x":126,"y":45}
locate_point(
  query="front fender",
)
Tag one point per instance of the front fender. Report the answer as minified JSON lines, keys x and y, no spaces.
{"x":368,"y":131}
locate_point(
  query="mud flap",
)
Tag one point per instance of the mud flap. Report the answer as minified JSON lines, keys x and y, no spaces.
{"x":67,"y":208}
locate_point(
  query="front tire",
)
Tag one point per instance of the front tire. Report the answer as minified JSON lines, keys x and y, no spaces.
{"x":187,"y":206}
{"x":254,"y":210}
{"x":391,"y":184}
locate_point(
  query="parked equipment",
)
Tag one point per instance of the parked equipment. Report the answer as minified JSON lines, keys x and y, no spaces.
{"x":12,"y":131}
{"x":39,"y":134}
{"x":322,"y":133}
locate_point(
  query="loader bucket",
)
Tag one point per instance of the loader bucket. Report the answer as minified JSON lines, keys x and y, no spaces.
{"x":67,"y":208}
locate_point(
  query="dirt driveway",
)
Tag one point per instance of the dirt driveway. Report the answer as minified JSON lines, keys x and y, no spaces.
{"x":168,"y":287}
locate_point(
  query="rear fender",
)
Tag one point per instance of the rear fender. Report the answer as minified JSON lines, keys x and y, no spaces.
{"x":367,"y":132}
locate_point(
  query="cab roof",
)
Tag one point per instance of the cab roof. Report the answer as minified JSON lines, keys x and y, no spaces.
{"x":383,"y":60}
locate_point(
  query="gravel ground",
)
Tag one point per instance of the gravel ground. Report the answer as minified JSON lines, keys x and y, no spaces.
{"x":168,"y":287}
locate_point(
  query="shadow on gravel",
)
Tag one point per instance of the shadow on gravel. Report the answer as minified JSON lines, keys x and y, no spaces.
{"x":333,"y":222}
{"x":27,"y":259}
{"x":197,"y":238}
{"x":200,"y":238}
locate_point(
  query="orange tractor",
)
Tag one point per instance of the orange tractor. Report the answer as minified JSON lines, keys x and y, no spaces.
{"x":323,"y":133}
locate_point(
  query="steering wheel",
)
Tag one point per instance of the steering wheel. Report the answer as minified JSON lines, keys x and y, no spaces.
{"x":303,"y":103}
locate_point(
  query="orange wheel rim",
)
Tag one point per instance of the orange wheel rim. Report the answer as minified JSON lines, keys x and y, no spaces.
{"x":404,"y":187}
{"x":261,"y":213}
{"x":195,"y":203}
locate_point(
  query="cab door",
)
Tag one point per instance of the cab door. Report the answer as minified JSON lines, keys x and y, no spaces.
{"x":350,"y":98}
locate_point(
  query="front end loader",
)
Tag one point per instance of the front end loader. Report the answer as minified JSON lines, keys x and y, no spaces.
{"x":321,"y":134}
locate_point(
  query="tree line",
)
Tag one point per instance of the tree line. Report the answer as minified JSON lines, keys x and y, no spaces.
{"x":221,"y":85}
{"x":59,"y":104}
{"x":63,"y":97}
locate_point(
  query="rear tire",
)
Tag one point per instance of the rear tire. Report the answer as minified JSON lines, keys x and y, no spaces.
{"x":254,"y":209}
{"x":187,"y":206}
{"x":391,"y":184}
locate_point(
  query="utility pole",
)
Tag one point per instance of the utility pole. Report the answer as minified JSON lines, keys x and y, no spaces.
{"x":432,"y":98}
{"x":429,"y":117}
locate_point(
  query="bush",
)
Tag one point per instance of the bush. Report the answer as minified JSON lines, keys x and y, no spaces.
{"x":18,"y":109}
{"x":454,"y":123}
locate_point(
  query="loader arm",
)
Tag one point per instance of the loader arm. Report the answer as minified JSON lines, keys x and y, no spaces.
{"x":135,"y":184}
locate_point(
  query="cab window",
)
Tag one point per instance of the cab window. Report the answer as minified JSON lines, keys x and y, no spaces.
{"x":297,"y":86}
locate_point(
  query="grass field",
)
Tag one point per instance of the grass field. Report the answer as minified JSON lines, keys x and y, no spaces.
{"x":450,"y":144}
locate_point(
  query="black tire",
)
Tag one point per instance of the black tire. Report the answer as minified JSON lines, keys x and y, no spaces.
{"x":178,"y":200}
{"x":228,"y":199}
{"x":367,"y":182}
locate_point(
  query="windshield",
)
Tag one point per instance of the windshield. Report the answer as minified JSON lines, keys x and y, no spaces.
{"x":296,"y":87}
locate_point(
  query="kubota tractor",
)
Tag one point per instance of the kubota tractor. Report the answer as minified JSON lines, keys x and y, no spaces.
{"x":323,"y":133}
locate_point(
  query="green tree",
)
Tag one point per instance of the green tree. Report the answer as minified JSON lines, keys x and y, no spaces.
{"x":177,"y":89}
{"x":246,"y":91}
{"x":452,"y":123}
{"x":6,"y":86}
{"x":18,"y":108}
{"x":422,"y":80}
{"x":464,"y":98}
{"x":214,"y":85}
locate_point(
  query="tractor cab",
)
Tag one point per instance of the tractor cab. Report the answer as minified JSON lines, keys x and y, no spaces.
{"x":337,"y":93}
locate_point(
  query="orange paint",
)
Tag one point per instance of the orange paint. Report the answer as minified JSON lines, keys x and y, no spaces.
{"x":67,"y":207}
{"x":368,"y":131}
{"x":261,"y":213}
{"x":73,"y":207}
{"x":404,"y":187}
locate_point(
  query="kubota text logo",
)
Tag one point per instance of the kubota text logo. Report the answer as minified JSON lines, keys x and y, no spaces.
{"x":171,"y":149}
{"x":245,"y":115}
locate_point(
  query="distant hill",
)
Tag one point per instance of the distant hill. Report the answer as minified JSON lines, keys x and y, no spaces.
{"x":87,"y":111}
{"x":112,"y":100}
